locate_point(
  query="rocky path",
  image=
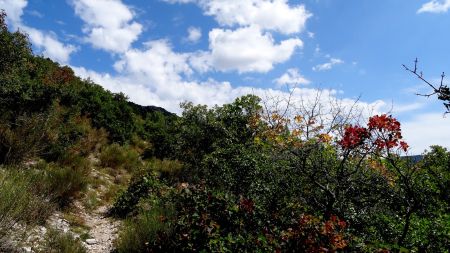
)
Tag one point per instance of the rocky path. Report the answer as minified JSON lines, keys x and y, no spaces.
{"x":103,"y":230}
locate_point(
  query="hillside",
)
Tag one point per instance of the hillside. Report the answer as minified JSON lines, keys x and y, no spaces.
{"x":83,"y":169}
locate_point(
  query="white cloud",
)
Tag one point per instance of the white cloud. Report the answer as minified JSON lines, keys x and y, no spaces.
{"x":292,"y":77}
{"x":194,"y":34}
{"x":109,"y":24}
{"x":47,"y":42}
{"x":435,"y":6}
{"x":402,"y":108}
{"x":14,"y":9}
{"x":50,"y":45}
{"x":248,"y":49}
{"x":425,"y":130}
{"x":157,"y":63}
{"x":248,"y":46}
{"x":157,"y":75}
{"x":328,"y":65}
{"x":276,"y":15}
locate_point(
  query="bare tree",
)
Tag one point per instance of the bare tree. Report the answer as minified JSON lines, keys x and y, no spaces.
{"x":442,"y":91}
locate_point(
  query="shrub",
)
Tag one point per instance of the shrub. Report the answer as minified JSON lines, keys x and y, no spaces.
{"x":22,"y":139}
{"x":168,"y":169}
{"x":20,"y":200}
{"x":58,"y":242}
{"x":116,"y":157}
{"x":75,"y":135}
{"x":64,"y":182}
{"x":140,"y":187}
{"x":142,"y":233}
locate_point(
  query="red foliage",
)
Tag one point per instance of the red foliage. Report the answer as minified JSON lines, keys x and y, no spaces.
{"x":314,"y":235}
{"x":354,"y":136}
{"x":388,"y":132}
{"x":247,"y":205}
{"x":382,"y":131}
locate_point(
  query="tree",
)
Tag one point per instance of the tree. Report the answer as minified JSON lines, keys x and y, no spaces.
{"x":442,"y":91}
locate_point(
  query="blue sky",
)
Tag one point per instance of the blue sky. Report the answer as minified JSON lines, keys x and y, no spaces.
{"x":163,"y":52}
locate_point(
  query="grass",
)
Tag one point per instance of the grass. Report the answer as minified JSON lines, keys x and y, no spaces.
{"x":116,"y":157}
{"x":65,"y":183}
{"x":91,"y":200}
{"x":167,"y":168}
{"x":75,"y":220}
{"x":59,"y":242}
{"x":20,"y":200}
{"x":138,"y":234}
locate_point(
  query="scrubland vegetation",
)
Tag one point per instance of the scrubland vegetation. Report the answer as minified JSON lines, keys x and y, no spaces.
{"x":241,"y":177}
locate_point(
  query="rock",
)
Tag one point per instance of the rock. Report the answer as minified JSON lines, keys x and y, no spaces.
{"x":27,"y":250}
{"x":43,"y":230}
{"x":91,"y":241}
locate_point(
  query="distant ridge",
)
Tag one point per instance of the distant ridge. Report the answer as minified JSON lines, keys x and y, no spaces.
{"x":413,"y":158}
{"x":144,"y":110}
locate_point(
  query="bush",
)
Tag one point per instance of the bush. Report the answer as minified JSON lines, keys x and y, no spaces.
{"x":63,"y":183}
{"x":20,"y":200}
{"x":141,"y":233}
{"x":117,"y":157}
{"x":140,"y":187}
{"x":22,"y":139}
{"x":58,"y":242}
{"x":168,"y":169}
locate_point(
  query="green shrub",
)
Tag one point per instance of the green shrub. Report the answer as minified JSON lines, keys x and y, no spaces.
{"x":20,"y":200}
{"x":168,"y":169}
{"x":140,"y":187}
{"x":117,"y":157}
{"x":58,"y":242}
{"x":141,"y":233}
{"x":22,"y":139}
{"x":63,"y":183}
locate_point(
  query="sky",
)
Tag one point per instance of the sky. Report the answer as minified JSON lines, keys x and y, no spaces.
{"x":164,"y":52}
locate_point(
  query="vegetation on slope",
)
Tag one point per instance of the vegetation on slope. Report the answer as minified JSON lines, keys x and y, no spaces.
{"x":233,"y":178}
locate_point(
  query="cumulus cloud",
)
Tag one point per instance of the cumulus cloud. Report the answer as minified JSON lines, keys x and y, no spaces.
{"x":194,"y":34}
{"x":243,"y":42}
{"x":435,"y":6}
{"x":47,"y":42}
{"x":276,"y":15}
{"x":248,"y":49}
{"x":328,"y":65}
{"x":292,"y":77}
{"x":157,"y":75}
{"x":109,"y":24}
{"x":157,"y":63}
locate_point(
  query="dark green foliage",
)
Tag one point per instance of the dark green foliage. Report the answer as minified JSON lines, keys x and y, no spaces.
{"x":139,"y":188}
{"x":15,"y":50}
{"x":161,"y":131}
{"x":201,"y":130}
{"x":31,"y":84}
{"x":205,"y":220}
{"x":242,"y":193}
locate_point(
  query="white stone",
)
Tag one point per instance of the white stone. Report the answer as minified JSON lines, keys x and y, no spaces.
{"x":27,"y":250}
{"x":91,"y":241}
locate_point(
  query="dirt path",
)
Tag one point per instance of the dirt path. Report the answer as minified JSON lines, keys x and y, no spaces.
{"x":103,"y":230}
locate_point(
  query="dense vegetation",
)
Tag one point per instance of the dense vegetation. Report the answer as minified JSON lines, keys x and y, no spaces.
{"x":234,"y":178}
